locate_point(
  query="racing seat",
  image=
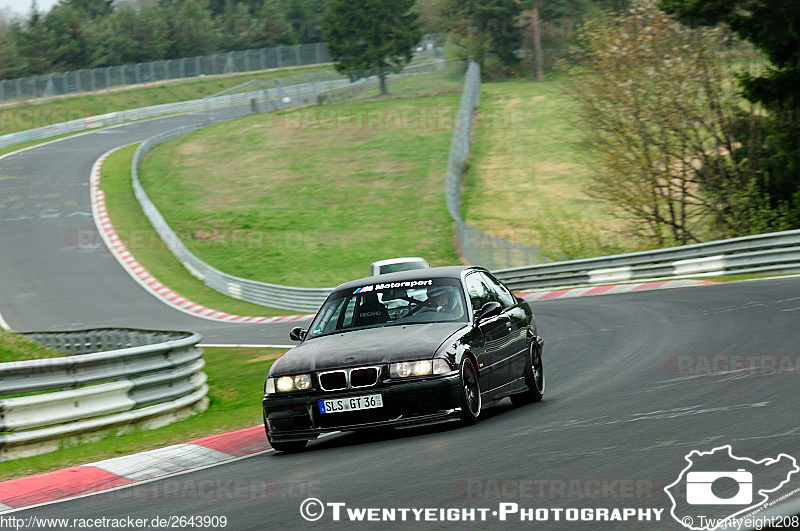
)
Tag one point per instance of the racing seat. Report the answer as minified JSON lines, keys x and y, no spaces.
{"x":370,"y":311}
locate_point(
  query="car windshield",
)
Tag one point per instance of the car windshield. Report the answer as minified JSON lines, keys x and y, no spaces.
{"x":388,"y":304}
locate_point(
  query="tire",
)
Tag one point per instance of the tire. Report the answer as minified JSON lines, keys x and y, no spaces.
{"x":470,"y":393}
{"x":290,"y":447}
{"x":534,"y":378}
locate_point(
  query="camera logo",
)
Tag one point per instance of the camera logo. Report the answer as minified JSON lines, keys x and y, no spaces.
{"x":716,"y":487}
{"x":699,"y":488}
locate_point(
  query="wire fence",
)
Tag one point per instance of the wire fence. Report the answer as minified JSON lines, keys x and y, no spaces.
{"x":96,"y":79}
{"x":110,"y":77}
{"x":475,"y":246}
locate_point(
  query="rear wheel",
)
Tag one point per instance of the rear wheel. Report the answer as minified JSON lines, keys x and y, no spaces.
{"x":534,"y":378}
{"x":470,"y":393}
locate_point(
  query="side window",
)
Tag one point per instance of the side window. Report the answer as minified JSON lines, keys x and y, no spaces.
{"x":347,"y":319}
{"x":477,"y":291}
{"x":505,"y":297}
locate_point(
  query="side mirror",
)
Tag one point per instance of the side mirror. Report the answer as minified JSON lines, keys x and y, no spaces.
{"x":297,"y":334}
{"x":490,"y":309}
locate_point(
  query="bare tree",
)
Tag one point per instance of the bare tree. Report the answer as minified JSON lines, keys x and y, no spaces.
{"x":675,"y":140}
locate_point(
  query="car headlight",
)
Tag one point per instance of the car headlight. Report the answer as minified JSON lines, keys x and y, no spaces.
{"x":405,"y":369}
{"x":285,"y":384}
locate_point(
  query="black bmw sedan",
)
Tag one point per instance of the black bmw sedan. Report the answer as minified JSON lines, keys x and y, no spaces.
{"x":404,"y":349}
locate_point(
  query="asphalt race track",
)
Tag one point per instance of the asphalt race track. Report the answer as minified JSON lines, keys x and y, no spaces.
{"x":617,"y":407}
{"x":49,"y":280}
{"x":634,"y":383}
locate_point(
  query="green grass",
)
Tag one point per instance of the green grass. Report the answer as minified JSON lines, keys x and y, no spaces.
{"x":528,"y":172}
{"x":311,"y":197}
{"x":446,"y":81}
{"x":14,"y":347}
{"x":28,"y":115}
{"x":144,"y":243}
{"x":236,"y":383}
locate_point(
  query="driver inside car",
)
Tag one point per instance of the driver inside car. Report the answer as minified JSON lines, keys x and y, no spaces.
{"x":444,"y":300}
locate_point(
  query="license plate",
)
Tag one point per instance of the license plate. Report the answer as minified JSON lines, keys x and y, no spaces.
{"x":352,"y":403}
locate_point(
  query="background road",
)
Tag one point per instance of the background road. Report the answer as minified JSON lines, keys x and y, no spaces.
{"x":624,"y":401}
{"x":47,"y":283}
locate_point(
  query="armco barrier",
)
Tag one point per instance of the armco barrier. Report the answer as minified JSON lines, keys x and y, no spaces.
{"x":312,"y":83}
{"x":777,"y":252}
{"x":144,"y":377}
{"x":262,"y":293}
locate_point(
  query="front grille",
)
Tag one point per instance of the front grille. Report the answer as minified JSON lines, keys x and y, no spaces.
{"x":333,"y":381}
{"x":349,"y":378}
{"x":363,"y":377}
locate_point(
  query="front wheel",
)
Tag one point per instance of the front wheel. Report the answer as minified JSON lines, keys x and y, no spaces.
{"x":470,"y":393}
{"x":534,"y":378}
{"x":290,"y":447}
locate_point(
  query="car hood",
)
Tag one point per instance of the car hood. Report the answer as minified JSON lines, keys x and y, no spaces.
{"x":373,"y":346}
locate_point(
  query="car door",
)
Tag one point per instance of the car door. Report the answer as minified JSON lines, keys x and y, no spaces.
{"x":497,"y":331}
{"x":513,"y":365}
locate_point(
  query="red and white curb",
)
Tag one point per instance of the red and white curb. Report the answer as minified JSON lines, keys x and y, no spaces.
{"x":145,"y":279}
{"x":608,"y":290}
{"x":137,"y":468}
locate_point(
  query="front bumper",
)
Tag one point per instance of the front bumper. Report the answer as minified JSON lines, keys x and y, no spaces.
{"x":412,"y":403}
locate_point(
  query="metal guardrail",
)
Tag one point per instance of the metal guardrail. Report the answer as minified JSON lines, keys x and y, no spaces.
{"x":113,"y":377}
{"x":777,"y":252}
{"x":766,"y":253}
{"x":311,"y":83}
{"x":262,"y":293}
